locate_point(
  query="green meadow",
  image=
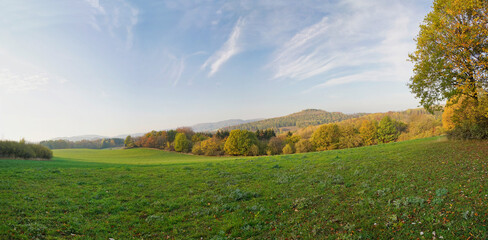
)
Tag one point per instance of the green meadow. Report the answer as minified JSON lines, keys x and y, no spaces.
{"x":428,"y":188}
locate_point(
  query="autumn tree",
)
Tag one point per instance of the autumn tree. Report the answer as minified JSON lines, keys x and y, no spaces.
{"x":326,"y":137}
{"x":275,"y":146}
{"x":451,"y":60}
{"x":368,"y":132}
{"x":241,"y":142}
{"x":303,"y":146}
{"x":289,"y":149}
{"x":349,"y":137}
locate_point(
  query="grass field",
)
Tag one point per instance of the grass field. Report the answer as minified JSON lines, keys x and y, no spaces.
{"x":428,"y":188}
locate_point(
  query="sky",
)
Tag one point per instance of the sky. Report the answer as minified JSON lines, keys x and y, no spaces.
{"x":113,"y":67}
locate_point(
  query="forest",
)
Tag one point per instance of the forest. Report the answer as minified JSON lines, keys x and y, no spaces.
{"x":308,"y":117}
{"x":363,"y":130}
{"x":90,"y":144}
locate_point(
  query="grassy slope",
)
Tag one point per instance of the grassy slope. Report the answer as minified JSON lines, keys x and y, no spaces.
{"x":403,"y":190}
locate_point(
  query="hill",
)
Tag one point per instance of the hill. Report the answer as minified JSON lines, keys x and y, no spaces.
{"x":427,"y":188}
{"x":308,"y":117}
{"x":81,"y":137}
{"x":214,"y":126}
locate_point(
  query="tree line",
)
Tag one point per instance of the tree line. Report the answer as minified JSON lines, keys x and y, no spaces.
{"x":90,"y":144}
{"x":364,"y":131}
{"x":21,"y":149}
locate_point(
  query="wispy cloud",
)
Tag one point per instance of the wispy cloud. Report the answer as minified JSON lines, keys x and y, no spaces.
{"x":230,"y":48}
{"x":15,"y":81}
{"x":357,"y":42}
{"x":118,"y":17}
{"x":173,"y":68}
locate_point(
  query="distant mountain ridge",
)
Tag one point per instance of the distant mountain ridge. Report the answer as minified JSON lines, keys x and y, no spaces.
{"x":308,"y":117}
{"x":201,"y":127}
{"x":81,"y":137}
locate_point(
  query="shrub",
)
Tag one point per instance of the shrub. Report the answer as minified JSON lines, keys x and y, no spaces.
{"x":11,"y":149}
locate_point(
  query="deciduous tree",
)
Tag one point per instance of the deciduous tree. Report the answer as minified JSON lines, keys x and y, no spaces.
{"x":451,"y":57}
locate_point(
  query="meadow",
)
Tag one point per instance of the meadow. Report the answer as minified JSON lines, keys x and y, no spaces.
{"x":420,"y":189}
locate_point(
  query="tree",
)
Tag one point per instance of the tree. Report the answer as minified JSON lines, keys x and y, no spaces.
{"x":368,"y":132}
{"x":212,"y":146}
{"x":288,"y":149}
{"x":240,"y":142}
{"x":275,"y":146}
{"x":326,"y":137}
{"x":303,"y":146}
{"x":349,"y":137}
{"x":387,"y":131}
{"x":451,"y":58}
{"x":182,"y":144}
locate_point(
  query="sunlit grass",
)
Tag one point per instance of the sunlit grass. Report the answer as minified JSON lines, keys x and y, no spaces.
{"x":407,"y":190}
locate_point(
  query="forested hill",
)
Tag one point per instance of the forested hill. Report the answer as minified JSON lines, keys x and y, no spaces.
{"x":297,"y":120}
{"x":209,"y":127}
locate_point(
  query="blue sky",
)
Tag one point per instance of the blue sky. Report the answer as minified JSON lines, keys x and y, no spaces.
{"x":112,"y":67}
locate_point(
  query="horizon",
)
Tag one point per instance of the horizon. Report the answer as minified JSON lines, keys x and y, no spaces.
{"x":122,"y":67}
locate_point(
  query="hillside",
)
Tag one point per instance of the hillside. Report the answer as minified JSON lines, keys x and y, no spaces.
{"x":214,"y":126}
{"x":81,"y":137}
{"x":427,"y":189}
{"x":308,"y":117}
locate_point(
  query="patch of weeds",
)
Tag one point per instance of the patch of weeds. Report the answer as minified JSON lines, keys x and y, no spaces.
{"x":437,"y":201}
{"x":284,"y":178}
{"x":415,"y":201}
{"x":301,"y":203}
{"x":441,"y":192}
{"x":338,"y":179}
{"x":36,"y":230}
{"x":382,"y":192}
{"x":154,"y":218}
{"x":276,"y":166}
{"x":230,"y":207}
{"x":468,"y":214}
{"x":238,"y":195}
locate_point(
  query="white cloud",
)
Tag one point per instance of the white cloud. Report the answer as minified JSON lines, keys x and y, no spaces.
{"x":174,"y":68}
{"x":357,"y":42}
{"x":96,"y":5}
{"x":118,"y":17}
{"x":230,"y":48}
{"x":15,"y":81}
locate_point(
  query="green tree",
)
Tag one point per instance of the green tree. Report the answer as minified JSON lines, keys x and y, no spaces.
{"x":240,"y":142}
{"x":451,"y":58}
{"x":387,"y":131}
{"x":326,"y":137}
{"x":182,"y":144}
{"x":129,"y":143}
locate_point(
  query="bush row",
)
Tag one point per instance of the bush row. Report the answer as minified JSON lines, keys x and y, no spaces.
{"x":12,"y":149}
